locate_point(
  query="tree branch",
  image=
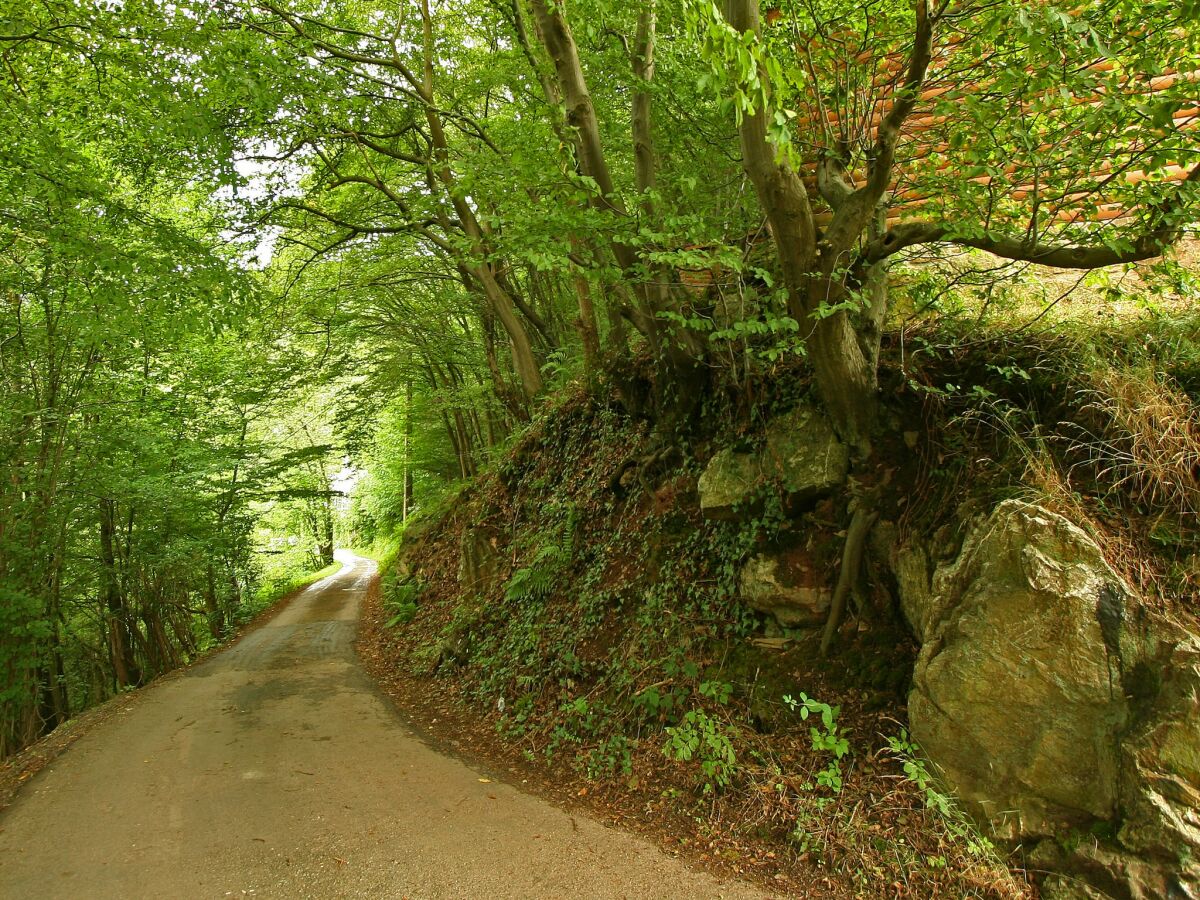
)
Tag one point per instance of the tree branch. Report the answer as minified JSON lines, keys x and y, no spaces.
{"x":831,"y":182}
{"x":296,"y":23}
{"x":883,"y":154}
{"x":853,"y":209}
{"x":406,"y":228}
{"x":1163,"y":231}
{"x":384,"y":150}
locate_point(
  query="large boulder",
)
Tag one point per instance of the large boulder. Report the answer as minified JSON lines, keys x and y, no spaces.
{"x":802,"y":453}
{"x":728,"y":483}
{"x":1055,"y":704}
{"x":787,"y":585}
{"x":1016,"y":693}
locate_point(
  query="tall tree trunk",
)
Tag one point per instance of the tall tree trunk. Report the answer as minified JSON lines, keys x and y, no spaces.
{"x":212,"y":604}
{"x":556,"y":37}
{"x":589,"y":332}
{"x":586,"y":324}
{"x":120,"y":641}
{"x":524,"y":360}
{"x":645,"y":166}
{"x":327,"y":540}
{"x":464,"y":466}
{"x":845,"y":381}
{"x":407,"y":499}
{"x":508,"y":397}
{"x":682,"y":353}
{"x":53,"y":708}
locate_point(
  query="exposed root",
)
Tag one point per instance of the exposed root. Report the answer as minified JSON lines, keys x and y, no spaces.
{"x":852,"y":559}
{"x":644,"y":467}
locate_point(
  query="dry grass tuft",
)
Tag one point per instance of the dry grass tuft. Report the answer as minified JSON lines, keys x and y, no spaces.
{"x":1149,"y":448}
{"x":1126,"y":468}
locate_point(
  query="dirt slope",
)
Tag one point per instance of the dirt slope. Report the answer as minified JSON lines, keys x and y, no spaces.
{"x":275,"y":769}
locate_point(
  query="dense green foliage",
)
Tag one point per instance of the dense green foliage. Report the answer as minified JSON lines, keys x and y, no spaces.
{"x":140,"y":363}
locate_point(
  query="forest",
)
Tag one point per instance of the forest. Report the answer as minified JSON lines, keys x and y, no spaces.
{"x":491,"y":286}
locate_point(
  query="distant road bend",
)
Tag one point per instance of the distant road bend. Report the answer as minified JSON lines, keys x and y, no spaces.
{"x":276,"y":769}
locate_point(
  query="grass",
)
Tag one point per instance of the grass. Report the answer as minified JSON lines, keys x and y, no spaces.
{"x":994,"y":295}
{"x":384,"y":549}
{"x":1082,"y":394}
{"x":273,"y":590}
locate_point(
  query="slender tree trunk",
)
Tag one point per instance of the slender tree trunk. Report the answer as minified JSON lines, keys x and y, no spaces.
{"x":464,"y":466}
{"x":53,"y":708}
{"x":508,"y":397}
{"x":212,"y":604}
{"x":524,"y":360}
{"x":327,"y":540}
{"x":464,"y":443}
{"x":120,"y":640}
{"x":645,"y":165}
{"x":589,"y":332}
{"x":407,"y":499}
{"x":681,"y":353}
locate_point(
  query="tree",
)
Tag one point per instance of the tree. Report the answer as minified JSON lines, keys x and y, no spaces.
{"x":385,"y":168}
{"x":1004,"y":168}
{"x":122,"y":500}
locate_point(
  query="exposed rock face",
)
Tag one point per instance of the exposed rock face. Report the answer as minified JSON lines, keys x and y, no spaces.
{"x":1053,"y":703}
{"x":729,"y":481}
{"x":802,"y":453}
{"x":1094,"y":871}
{"x":788,"y":586}
{"x":479,"y":565}
{"x":1016,"y":694}
{"x":911,"y":566}
{"x":1160,"y":753}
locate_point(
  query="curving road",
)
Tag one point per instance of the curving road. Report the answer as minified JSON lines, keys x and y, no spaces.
{"x":275,"y":769}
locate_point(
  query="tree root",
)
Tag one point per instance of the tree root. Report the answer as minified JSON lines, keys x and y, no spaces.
{"x":852,"y":559}
{"x":645,"y":465}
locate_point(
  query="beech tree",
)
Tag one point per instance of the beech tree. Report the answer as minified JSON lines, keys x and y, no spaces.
{"x":1033,"y":125}
{"x":1036,"y":119}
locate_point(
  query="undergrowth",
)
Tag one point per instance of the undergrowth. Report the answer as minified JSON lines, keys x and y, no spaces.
{"x":609,"y":644}
{"x":1103,"y":426}
{"x":612,"y":644}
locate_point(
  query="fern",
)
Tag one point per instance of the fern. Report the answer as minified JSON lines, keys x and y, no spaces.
{"x":536,"y":580}
{"x":400,"y":599}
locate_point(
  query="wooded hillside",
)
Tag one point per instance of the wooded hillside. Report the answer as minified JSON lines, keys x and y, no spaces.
{"x":258,"y":256}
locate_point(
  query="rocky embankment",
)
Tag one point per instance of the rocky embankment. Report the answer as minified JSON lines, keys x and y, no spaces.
{"x":1059,"y":707}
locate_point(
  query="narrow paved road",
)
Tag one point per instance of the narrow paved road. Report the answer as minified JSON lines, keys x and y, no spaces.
{"x":275,"y":769}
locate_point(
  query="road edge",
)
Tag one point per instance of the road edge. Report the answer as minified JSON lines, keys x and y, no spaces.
{"x":20,"y":769}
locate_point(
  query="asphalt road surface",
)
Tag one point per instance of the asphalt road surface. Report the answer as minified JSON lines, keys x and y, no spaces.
{"x":276,"y":769}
